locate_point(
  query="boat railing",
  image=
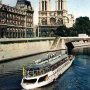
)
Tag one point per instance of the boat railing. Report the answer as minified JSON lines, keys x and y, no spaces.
{"x":34,"y":73}
{"x":42,"y":70}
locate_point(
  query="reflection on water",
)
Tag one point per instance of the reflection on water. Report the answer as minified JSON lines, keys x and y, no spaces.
{"x":77,"y":77}
{"x":83,"y":51}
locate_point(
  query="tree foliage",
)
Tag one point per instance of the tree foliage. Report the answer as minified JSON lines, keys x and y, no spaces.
{"x":61,"y":31}
{"x":81,"y":26}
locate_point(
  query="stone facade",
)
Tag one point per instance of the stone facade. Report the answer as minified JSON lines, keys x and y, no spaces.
{"x":16,"y":22}
{"x":50,"y":20}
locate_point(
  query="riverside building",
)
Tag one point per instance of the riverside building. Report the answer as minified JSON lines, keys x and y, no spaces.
{"x":16,"y":22}
{"x":49,"y":20}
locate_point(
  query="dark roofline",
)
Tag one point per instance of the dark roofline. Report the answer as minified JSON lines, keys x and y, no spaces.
{"x":28,"y":3}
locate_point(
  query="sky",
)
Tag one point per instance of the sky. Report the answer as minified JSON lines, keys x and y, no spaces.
{"x":76,"y":7}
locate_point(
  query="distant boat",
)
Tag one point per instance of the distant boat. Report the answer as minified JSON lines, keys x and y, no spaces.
{"x":45,"y":71}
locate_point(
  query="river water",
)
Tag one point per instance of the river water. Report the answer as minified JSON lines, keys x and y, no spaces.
{"x":77,"y":77}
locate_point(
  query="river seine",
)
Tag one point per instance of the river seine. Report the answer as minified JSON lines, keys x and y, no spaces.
{"x":77,"y":77}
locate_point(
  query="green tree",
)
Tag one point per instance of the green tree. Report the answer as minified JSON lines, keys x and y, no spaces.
{"x":72,"y":32}
{"x":82,"y":25}
{"x":61,"y":31}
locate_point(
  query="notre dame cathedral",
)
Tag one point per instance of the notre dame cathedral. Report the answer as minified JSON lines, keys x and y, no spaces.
{"x":50,"y":20}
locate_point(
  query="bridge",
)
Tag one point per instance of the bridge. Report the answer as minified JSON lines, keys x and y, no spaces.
{"x":73,"y":39}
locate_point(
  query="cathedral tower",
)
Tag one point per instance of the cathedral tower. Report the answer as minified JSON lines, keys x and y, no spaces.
{"x":44,"y":5}
{"x":60,"y":5}
{"x":50,"y":20}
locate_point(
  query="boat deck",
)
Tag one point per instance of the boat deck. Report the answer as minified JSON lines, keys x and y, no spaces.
{"x":44,"y":66}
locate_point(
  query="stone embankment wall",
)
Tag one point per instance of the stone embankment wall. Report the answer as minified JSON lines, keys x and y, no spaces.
{"x":16,"y":48}
{"x":13,"y":50}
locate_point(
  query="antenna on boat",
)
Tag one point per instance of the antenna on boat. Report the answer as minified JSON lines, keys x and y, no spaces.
{"x":23,"y":71}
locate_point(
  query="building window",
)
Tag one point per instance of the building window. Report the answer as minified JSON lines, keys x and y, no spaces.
{"x":59,"y":5}
{"x":42,"y":5}
{"x":60,"y":21}
{"x":44,"y":21}
{"x":45,"y":5}
{"x":52,"y":21}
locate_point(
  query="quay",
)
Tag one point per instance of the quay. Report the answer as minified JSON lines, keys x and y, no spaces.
{"x":11,"y":49}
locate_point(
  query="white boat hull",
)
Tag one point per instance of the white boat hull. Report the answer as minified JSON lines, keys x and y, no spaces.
{"x":52,"y":75}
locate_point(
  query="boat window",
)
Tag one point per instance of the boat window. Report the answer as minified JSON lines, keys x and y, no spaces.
{"x":44,"y":78}
{"x":29,"y":81}
{"x":56,"y":65}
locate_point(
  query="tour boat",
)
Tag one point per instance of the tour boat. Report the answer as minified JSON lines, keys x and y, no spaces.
{"x":44,"y":71}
